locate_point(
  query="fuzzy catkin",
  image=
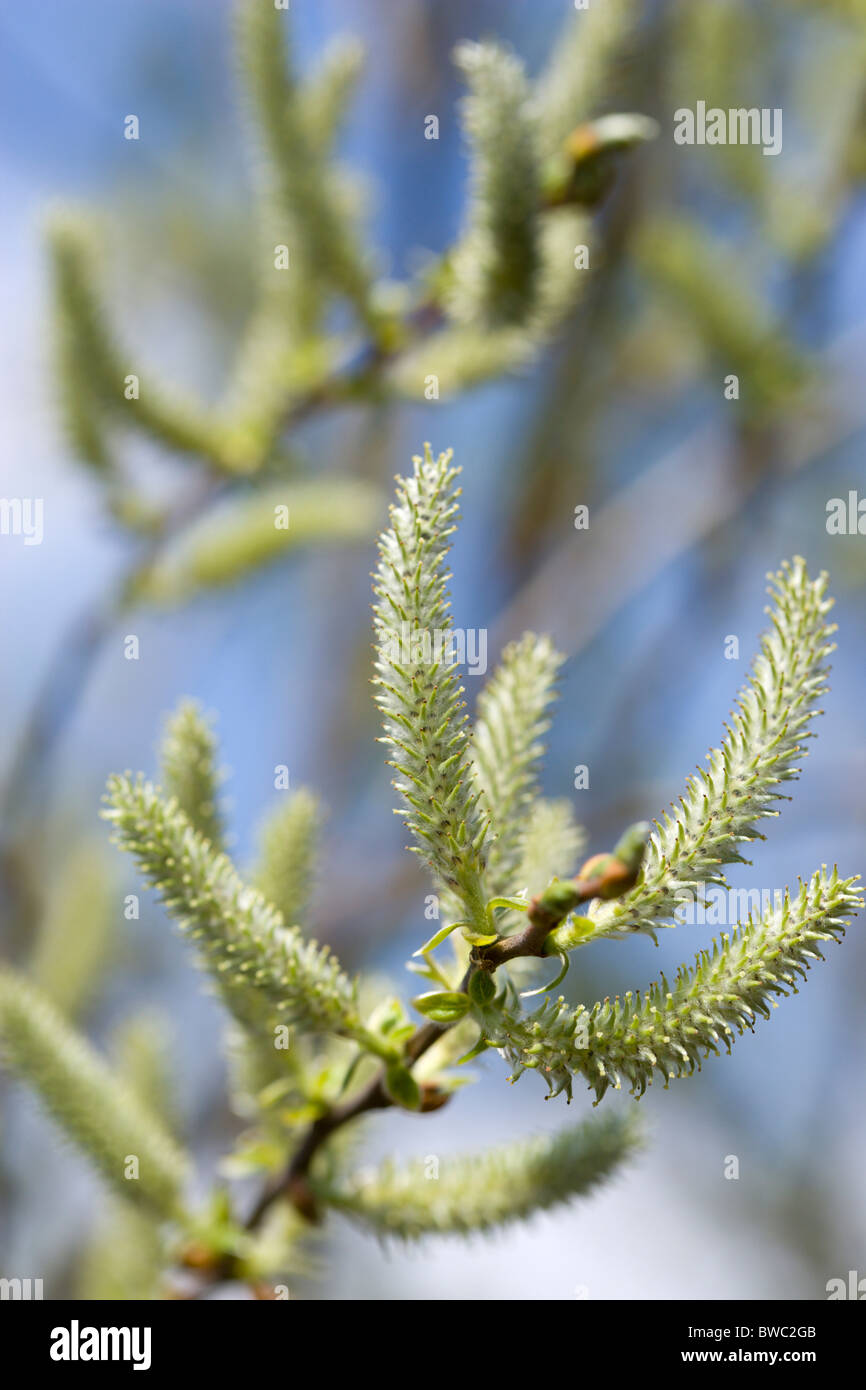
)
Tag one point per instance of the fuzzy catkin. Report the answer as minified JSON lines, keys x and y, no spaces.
{"x":671,"y":1028}
{"x":491,"y":1190}
{"x":267,"y":973}
{"x":417,"y":683}
{"x":96,"y":1110}
{"x":722,"y":805}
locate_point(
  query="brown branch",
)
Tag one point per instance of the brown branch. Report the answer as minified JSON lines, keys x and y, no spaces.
{"x":293,"y":1182}
{"x":544,"y":914}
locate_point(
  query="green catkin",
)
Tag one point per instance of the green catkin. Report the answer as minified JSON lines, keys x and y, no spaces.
{"x":267,"y":973}
{"x":487,"y":1191}
{"x":189,"y":770}
{"x":417,"y":684}
{"x":507,"y":747}
{"x":96,"y":1110}
{"x":722,"y":806}
{"x":671,"y":1028}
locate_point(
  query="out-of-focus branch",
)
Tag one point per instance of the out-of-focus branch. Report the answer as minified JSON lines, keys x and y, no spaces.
{"x":658,"y":517}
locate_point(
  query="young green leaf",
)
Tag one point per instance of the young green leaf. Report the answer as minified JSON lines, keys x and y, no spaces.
{"x":443,"y":1006}
{"x":402,"y":1087}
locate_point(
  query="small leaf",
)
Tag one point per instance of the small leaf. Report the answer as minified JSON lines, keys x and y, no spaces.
{"x":388,"y":1018}
{"x":438,"y":938}
{"x":443,"y":1006}
{"x":350,"y":1072}
{"x":518,"y":904}
{"x":261,"y":1155}
{"x":425,"y":970}
{"x":480,"y":938}
{"x":545,"y":989}
{"x":429,"y":970}
{"x":274,"y":1092}
{"x":482,"y":988}
{"x":402,"y":1087}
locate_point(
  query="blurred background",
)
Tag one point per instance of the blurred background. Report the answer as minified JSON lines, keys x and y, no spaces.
{"x":706,"y":261}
